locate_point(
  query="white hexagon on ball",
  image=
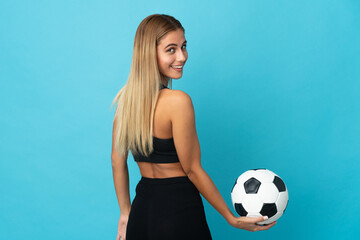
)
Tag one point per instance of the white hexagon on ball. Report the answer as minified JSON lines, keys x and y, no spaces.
{"x":252,"y":203}
{"x":268,"y":193}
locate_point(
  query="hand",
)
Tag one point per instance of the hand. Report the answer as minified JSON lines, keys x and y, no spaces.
{"x":121,"y":232}
{"x":249,"y":223}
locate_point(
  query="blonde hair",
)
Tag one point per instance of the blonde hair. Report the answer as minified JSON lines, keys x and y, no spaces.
{"x":136,"y":101}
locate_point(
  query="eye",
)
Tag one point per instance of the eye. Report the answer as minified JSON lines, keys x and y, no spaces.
{"x":174,"y":48}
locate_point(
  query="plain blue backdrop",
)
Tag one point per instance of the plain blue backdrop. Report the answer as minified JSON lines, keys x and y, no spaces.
{"x":275,"y":84}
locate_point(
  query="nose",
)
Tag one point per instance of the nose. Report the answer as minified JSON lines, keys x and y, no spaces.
{"x":181,"y":56}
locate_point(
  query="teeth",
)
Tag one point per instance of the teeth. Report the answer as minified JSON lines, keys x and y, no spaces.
{"x":177,"y":66}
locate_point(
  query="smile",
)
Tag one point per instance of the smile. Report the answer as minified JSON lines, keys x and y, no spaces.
{"x":177,"y":68}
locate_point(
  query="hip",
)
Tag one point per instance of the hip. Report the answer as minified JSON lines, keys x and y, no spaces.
{"x":163,"y":192}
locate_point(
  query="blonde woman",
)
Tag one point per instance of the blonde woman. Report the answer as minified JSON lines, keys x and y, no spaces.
{"x":157,"y":124}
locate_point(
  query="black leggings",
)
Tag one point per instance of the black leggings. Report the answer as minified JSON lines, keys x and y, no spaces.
{"x":167,"y":209}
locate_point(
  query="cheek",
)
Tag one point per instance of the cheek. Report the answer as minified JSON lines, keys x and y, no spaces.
{"x":165,"y":62}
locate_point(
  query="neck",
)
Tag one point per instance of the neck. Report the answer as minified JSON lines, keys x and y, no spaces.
{"x":164,"y":80}
{"x":164,"y":83}
{"x":162,"y":86}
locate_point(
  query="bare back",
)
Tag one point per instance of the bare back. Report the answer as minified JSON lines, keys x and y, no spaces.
{"x":162,"y":129}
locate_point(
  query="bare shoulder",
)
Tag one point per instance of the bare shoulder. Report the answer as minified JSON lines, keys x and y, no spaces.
{"x":181,"y":109}
{"x":181,"y":95}
{"x":175,"y":101}
{"x":179,"y":99}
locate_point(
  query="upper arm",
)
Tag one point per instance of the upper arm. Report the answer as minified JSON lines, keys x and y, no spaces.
{"x":184,"y":132}
{"x":116,"y":158}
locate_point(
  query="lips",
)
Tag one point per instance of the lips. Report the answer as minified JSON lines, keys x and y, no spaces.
{"x":177,"y":69}
{"x":177,"y":66}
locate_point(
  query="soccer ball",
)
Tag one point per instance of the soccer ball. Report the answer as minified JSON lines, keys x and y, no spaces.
{"x":260,"y":192}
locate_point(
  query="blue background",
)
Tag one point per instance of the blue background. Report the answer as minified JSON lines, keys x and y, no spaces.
{"x":275,"y":84}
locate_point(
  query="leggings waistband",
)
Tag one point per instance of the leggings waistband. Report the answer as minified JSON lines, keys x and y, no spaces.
{"x":180,"y":179}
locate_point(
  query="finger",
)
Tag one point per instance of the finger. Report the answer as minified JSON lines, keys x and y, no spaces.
{"x":259,"y":219}
{"x":267,"y":227}
{"x":252,"y":219}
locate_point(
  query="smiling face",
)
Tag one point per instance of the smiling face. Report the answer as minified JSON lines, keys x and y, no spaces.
{"x":172,"y":54}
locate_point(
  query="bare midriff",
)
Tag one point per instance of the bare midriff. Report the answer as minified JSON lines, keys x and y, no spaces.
{"x":160,"y":170}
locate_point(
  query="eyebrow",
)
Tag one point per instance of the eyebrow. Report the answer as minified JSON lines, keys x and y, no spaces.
{"x":173,"y":44}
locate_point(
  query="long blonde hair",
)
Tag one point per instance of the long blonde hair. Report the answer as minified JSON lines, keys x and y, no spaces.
{"x":136,"y":101}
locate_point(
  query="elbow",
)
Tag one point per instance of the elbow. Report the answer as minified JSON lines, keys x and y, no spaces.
{"x":114,"y":160}
{"x":193,"y":171}
{"x":187,"y":172}
{"x":117,"y":164}
{"x":118,"y":161}
{"x":114,"y":163}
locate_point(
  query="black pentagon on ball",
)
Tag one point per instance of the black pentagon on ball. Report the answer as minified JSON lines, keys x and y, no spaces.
{"x":268,"y":209}
{"x":279,"y":184}
{"x":258,"y":169}
{"x":240,"y":209}
{"x":252,"y":185}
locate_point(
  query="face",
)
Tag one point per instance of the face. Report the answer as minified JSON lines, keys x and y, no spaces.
{"x":172,"y":54}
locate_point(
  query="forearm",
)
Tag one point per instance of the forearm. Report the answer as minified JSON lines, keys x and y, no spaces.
{"x":208,"y":190}
{"x":121,"y":183}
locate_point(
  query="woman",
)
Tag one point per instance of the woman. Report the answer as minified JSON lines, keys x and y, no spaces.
{"x":158,"y":125}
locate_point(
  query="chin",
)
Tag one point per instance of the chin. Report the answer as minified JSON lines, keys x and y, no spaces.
{"x":175,"y":76}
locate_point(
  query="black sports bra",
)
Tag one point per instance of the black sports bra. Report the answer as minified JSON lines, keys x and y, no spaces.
{"x":164,"y":150}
